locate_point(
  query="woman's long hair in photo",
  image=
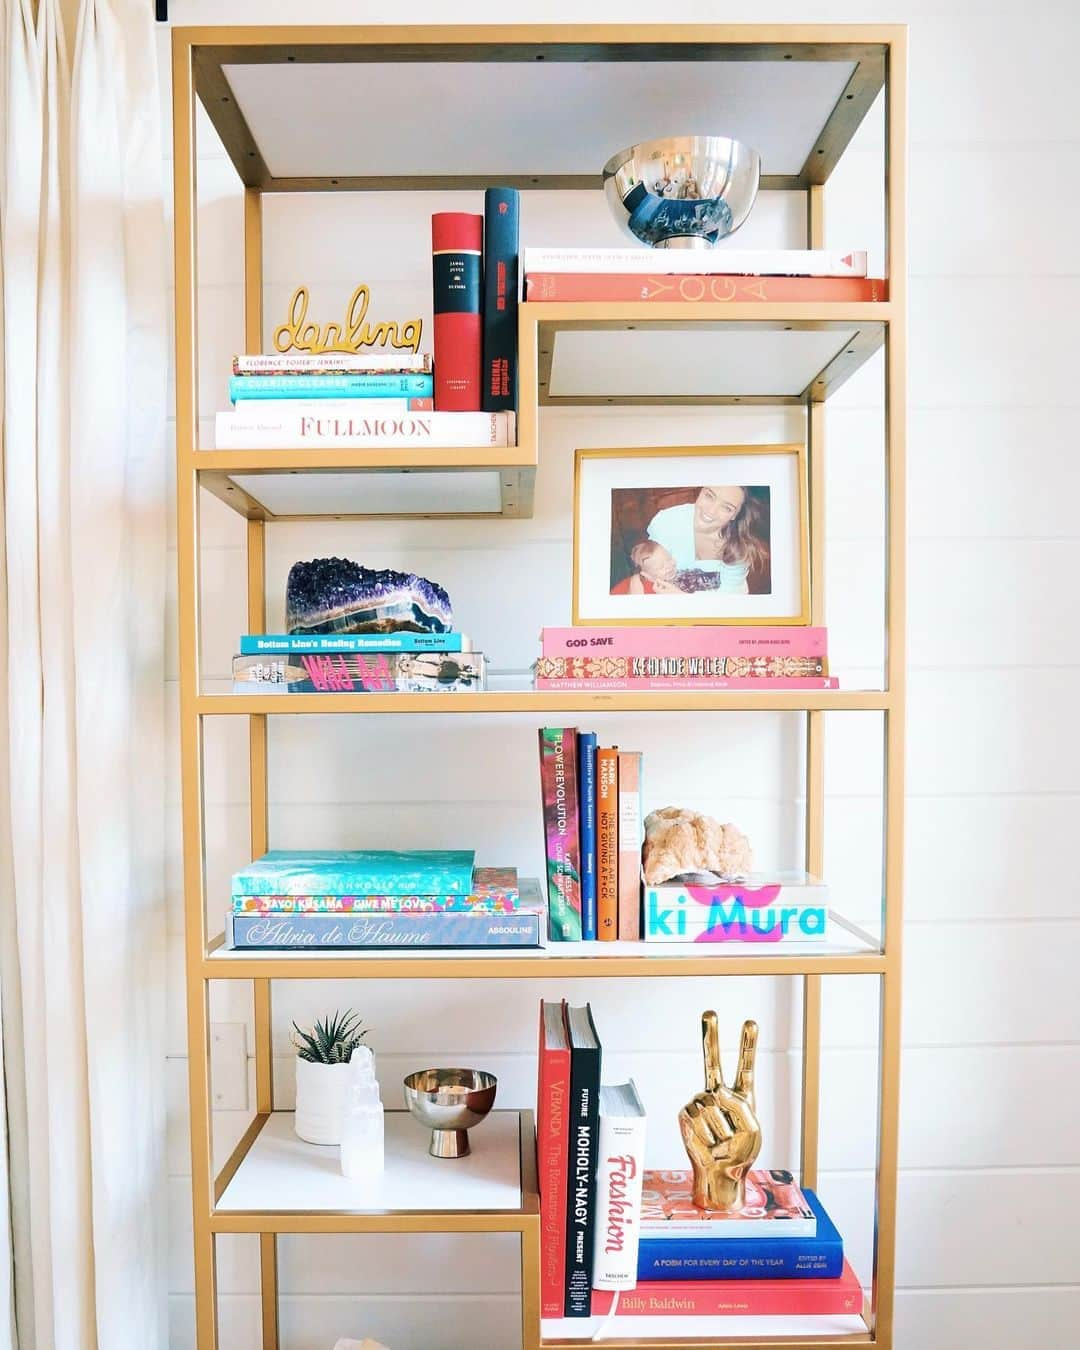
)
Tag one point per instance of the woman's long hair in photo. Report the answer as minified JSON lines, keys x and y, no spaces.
{"x":743,"y":535}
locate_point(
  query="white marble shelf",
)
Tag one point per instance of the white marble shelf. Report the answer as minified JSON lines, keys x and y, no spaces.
{"x":282,"y":1174}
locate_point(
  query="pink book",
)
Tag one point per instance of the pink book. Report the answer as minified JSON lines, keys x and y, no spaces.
{"x":687,"y":640}
{"x":737,"y":1298}
{"x":700,"y":684}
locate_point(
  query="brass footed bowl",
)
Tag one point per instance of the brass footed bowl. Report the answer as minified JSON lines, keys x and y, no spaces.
{"x":450,"y":1102}
{"x":683,"y":191}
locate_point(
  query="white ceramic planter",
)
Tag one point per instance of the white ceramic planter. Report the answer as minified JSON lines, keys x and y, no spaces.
{"x":320,"y":1101}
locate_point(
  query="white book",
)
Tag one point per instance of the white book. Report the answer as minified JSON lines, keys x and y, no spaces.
{"x":764,"y":262}
{"x":619,"y":1174}
{"x":250,"y":428}
{"x":343,"y":363}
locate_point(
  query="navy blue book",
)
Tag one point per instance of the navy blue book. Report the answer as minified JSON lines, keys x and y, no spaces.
{"x":587,"y":799}
{"x":499,"y":375}
{"x":766,"y":1258}
{"x":581,"y":1173}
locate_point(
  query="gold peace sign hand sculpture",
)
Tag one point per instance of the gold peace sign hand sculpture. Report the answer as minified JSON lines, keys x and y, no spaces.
{"x":720,"y":1126}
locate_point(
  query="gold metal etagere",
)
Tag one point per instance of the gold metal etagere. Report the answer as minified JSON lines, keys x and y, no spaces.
{"x":206,"y":62}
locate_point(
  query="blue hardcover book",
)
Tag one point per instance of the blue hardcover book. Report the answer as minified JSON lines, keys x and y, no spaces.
{"x":499,"y":378}
{"x":358,"y":872}
{"x":323,"y":932}
{"x":778,"y":1258}
{"x":329,"y":386}
{"x":587,"y":774}
{"x":257,"y":644}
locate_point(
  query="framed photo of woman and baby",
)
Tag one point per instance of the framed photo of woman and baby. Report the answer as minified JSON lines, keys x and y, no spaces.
{"x":691,"y":535}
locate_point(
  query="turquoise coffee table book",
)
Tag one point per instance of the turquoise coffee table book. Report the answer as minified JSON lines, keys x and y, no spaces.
{"x":358,"y":872}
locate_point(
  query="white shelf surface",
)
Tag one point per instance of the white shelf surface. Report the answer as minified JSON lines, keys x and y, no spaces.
{"x":293,"y":493}
{"x":722,"y":1328}
{"x":282,"y":1174}
{"x":692,"y":362}
{"x":840,"y":940}
{"x":555,"y":117}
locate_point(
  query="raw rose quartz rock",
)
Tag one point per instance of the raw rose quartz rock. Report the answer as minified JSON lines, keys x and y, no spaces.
{"x":678,"y":841}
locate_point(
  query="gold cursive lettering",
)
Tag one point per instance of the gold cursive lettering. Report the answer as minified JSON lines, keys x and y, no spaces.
{"x":297,"y":334}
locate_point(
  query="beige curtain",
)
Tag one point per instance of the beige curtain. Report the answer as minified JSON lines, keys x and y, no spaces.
{"x":81,"y":719}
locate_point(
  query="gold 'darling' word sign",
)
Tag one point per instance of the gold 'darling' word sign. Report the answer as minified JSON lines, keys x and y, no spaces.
{"x":296,"y":334}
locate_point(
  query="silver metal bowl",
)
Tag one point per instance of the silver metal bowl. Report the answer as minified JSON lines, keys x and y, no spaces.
{"x":450,"y":1102}
{"x":682,"y":192}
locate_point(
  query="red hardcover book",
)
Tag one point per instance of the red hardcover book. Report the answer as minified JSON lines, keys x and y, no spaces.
{"x":552,"y":1155}
{"x":736,"y":1298}
{"x":456,"y":253}
{"x":607,"y":844}
{"x":698,"y":289}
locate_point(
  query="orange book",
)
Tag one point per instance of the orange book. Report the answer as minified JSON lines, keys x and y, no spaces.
{"x":607,"y":845}
{"x":616,"y":287}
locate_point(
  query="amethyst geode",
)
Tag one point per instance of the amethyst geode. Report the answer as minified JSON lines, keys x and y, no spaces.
{"x":335,"y":595}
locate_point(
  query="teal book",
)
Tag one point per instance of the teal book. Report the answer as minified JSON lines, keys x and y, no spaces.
{"x":256,"y":644}
{"x":358,"y":872}
{"x":329,"y":386}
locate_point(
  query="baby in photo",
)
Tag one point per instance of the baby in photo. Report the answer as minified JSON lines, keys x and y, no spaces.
{"x":657,"y":573}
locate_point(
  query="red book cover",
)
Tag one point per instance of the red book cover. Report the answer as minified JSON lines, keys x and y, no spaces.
{"x":456,"y":253}
{"x":607,"y":845}
{"x":552,"y":1155}
{"x":626,"y":286}
{"x":736,"y":1298}
{"x":774,"y":1207}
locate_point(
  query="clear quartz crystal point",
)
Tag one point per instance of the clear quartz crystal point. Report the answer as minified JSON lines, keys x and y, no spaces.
{"x":362,"y":1141}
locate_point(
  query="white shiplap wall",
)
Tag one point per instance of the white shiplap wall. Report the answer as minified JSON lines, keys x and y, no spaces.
{"x":991,"y":1109}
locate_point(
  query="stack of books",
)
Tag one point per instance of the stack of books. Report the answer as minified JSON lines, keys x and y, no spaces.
{"x":715,"y":276}
{"x":462,"y":394}
{"x":592,"y":836}
{"x":608,"y":1224}
{"x":360,"y":663}
{"x":689,"y":657}
{"x":348,"y":401}
{"x":593,"y":827}
{"x":327,"y":900}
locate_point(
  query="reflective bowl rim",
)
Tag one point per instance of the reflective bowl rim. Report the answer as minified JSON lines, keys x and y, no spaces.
{"x":622,"y":157}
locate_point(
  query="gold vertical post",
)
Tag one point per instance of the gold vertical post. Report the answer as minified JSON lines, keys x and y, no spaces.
{"x":191,"y":730}
{"x":257,"y":756}
{"x":253,"y":271}
{"x":895,"y":439}
{"x":530,"y":1285}
{"x":815,"y":748}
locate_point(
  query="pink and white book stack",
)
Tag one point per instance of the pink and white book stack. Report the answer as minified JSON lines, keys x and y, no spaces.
{"x":688,"y":658}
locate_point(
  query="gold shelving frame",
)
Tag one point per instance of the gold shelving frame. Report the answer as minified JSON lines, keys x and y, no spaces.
{"x":879,"y":54}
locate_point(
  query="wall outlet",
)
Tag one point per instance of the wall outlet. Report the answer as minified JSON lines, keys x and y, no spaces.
{"x":228,"y":1066}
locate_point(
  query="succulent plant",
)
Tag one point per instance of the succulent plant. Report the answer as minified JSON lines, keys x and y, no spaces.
{"x":331,"y":1041}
